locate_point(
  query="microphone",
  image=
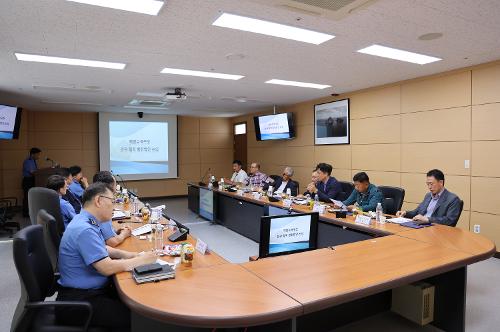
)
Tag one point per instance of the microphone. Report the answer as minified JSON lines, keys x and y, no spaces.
{"x":202,"y":183}
{"x":120,"y":180}
{"x":53,"y":163}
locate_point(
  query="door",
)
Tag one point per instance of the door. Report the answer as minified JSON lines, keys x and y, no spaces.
{"x":240,"y":143}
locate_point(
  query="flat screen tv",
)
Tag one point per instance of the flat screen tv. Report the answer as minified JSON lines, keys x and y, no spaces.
{"x":288,"y":234}
{"x":10,"y":122}
{"x":274,"y":127}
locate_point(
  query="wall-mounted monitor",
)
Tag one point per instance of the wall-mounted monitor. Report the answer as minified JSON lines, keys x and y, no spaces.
{"x":288,"y":234}
{"x":274,"y":127}
{"x":10,"y":121}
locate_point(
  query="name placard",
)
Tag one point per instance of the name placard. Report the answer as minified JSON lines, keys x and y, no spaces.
{"x":201,"y":246}
{"x":364,"y":220}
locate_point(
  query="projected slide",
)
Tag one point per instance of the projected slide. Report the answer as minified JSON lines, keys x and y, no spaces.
{"x":288,"y":234}
{"x":7,"y":121}
{"x":138,"y":147}
{"x":274,"y":126}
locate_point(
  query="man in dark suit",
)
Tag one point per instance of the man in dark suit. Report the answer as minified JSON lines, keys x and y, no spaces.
{"x":327,"y":186}
{"x":439,"y":205}
{"x":284,"y":183}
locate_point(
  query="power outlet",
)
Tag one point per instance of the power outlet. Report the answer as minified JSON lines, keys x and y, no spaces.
{"x":467,"y":163}
{"x":477,"y":229}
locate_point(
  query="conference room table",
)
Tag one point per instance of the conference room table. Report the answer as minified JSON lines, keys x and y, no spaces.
{"x":316,"y":290}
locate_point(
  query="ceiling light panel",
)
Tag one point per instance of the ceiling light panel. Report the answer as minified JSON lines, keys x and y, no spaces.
{"x":299,"y":84}
{"x":69,"y":61}
{"x":197,"y":73}
{"x":243,"y":23}
{"x":149,"y":7}
{"x":395,"y":54}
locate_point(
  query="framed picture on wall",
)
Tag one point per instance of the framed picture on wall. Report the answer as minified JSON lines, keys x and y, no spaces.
{"x":331,"y":123}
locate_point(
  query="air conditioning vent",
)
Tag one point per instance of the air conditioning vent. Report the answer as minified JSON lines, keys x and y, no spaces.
{"x":330,"y":9}
{"x":148,"y":103}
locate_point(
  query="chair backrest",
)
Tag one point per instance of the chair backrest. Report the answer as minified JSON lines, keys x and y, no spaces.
{"x":47,"y":199}
{"x":347,"y":188}
{"x":461,"y":205}
{"x":34,"y":270}
{"x":51,"y":236}
{"x":393,"y":198}
{"x":298,"y":187}
{"x":275,"y":177}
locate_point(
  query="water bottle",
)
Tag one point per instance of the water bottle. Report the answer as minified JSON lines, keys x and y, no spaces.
{"x":270,"y":191}
{"x":288,"y":192}
{"x":316,"y":200}
{"x":158,"y":234}
{"x":221,"y":186}
{"x":135,"y":206}
{"x":378,"y":211}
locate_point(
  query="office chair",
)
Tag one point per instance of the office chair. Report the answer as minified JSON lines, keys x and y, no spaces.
{"x":459,"y":214}
{"x":51,"y":236}
{"x":36,"y":275}
{"x":347,"y":188}
{"x":275,"y":177}
{"x":393,"y":198}
{"x":7,"y":205}
{"x":47,"y":199}
{"x":298,"y":186}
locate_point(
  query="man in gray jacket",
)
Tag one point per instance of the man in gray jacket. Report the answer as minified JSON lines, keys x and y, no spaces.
{"x":439,"y":206}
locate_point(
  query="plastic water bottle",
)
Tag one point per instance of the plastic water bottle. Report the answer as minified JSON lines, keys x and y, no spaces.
{"x":316,"y":200}
{"x":221,"y":186}
{"x":270,"y":191}
{"x":135,"y":205}
{"x":378,"y":212}
{"x":288,"y":193}
{"x":158,"y":234}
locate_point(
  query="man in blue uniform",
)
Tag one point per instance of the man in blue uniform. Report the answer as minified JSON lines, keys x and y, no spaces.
{"x":58,"y":184}
{"x":29,"y":168}
{"x":79,"y":183}
{"x":111,"y":237}
{"x":86,"y":263}
{"x":69,"y":196}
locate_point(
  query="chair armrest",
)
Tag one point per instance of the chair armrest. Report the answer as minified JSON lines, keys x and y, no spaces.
{"x":10,"y":198}
{"x":80,"y":304}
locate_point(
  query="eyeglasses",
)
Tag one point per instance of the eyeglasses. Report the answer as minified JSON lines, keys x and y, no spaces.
{"x":112,"y":199}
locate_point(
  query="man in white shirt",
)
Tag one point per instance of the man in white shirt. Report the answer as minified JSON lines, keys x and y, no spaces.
{"x":239,"y":175}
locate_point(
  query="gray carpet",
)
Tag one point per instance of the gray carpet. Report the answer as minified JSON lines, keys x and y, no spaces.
{"x":483,"y":285}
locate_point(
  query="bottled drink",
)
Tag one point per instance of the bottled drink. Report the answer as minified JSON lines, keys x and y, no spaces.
{"x":221,"y":186}
{"x":288,"y":193}
{"x":316,"y":200}
{"x":270,"y":191}
{"x":379,"y":211}
{"x":158,"y":235}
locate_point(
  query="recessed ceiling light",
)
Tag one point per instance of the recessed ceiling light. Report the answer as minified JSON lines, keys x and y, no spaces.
{"x":299,"y":84}
{"x":150,"y":7}
{"x":68,"y":61}
{"x":209,"y":74}
{"x":271,"y":29}
{"x":393,"y":53}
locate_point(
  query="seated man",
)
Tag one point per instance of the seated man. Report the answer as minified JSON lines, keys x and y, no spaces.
{"x":239,"y":175}
{"x":79,"y":183}
{"x":86,"y":263}
{"x":311,"y":187}
{"x":111,"y":237}
{"x":70,"y":197}
{"x":59,"y":185}
{"x":256,"y":177}
{"x":327,"y":187}
{"x":439,"y":205}
{"x":284,"y":183}
{"x":365,"y":194}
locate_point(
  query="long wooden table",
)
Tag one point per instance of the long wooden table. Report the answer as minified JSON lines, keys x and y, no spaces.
{"x":316,"y":290}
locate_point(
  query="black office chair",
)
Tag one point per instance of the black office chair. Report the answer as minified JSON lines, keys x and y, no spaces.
{"x":7,"y":206}
{"x":51,"y":236}
{"x":275,"y":177}
{"x":298,"y":186}
{"x":47,"y":199}
{"x":36,"y":275}
{"x":393,"y":198}
{"x":459,"y":214}
{"x":347,"y":188}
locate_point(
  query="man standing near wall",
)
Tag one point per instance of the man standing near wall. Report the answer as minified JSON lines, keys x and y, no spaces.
{"x":29,"y":168}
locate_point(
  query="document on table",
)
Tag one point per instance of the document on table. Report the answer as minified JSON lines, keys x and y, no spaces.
{"x":398,"y":220}
{"x":339,"y":203}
